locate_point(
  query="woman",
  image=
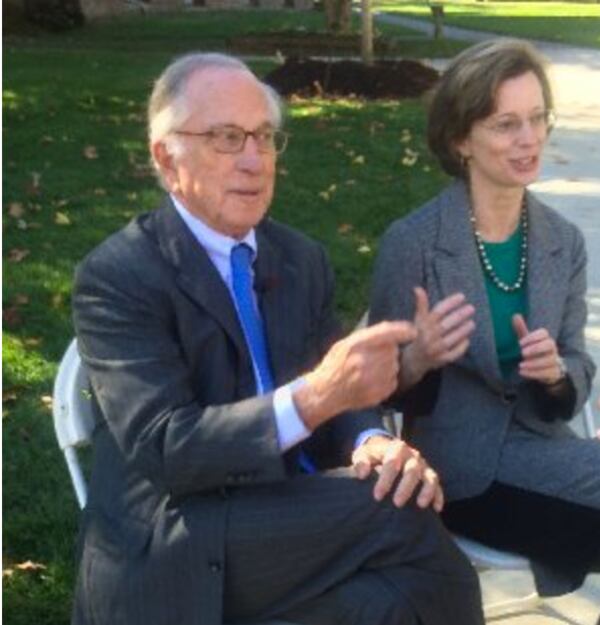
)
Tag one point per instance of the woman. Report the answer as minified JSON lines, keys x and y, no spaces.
{"x":499,"y":364}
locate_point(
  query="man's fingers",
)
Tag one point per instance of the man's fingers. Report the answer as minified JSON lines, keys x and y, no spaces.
{"x":411,"y":476}
{"x":430,"y":488}
{"x":519,"y":326}
{"x":385,"y":333}
{"x":388,"y":473}
{"x":362,"y":469}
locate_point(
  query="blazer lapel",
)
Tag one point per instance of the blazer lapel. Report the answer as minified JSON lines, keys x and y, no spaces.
{"x":458,"y":270}
{"x":276,"y":281}
{"x":197,"y":275}
{"x":547,"y":278}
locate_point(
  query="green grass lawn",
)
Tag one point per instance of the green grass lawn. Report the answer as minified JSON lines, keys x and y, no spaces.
{"x":565,"y":22}
{"x":75,"y":169}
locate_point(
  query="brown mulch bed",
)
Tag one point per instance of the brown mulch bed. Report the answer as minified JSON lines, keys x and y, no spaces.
{"x":384,"y":79}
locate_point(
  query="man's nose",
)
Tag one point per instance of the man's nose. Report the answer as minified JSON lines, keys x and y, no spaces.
{"x":251,"y":158}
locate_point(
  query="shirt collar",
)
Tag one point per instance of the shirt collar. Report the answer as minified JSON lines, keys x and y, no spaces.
{"x":218,"y":246}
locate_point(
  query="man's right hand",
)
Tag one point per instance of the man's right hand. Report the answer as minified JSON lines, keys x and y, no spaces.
{"x":358,"y":372}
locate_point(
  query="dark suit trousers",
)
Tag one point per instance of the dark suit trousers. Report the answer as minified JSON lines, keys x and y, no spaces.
{"x":318,"y":549}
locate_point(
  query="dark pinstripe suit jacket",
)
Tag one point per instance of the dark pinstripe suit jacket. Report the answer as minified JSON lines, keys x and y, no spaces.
{"x":178,"y":422}
{"x":459,"y":416}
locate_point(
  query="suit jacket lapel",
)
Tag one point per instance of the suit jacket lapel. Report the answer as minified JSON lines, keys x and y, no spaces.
{"x":458,"y":270}
{"x":546,"y":273}
{"x":197,"y":275}
{"x":276,"y":282}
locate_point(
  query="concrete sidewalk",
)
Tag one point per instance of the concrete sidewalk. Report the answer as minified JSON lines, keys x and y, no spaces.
{"x":570,"y":183}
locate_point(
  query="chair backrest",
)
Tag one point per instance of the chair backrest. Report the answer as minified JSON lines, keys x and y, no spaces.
{"x":72,"y":412}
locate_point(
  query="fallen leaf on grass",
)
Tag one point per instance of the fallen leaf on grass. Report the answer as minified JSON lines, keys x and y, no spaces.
{"x":16,"y":210}
{"x":345,"y":228}
{"x":61,"y":219}
{"x":90,"y":152}
{"x":9,"y":395}
{"x":410,"y":157}
{"x":364,"y":249}
{"x":11,"y":316}
{"x":57,"y":300}
{"x":358,"y":160}
{"x":16,"y":255}
{"x":33,"y":188}
{"x":30,"y":566}
{"x":47,"y":401}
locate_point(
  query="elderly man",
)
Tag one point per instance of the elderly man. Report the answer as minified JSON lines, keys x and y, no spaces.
{"x":223,"y":403}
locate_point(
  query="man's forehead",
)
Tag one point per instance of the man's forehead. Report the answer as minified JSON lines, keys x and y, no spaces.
{"x":226,"y":94}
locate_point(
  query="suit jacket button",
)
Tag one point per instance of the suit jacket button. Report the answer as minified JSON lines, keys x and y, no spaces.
{"x":215,"y":567}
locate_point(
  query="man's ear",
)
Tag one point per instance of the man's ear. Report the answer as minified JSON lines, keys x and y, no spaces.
{"x":166,"y":164}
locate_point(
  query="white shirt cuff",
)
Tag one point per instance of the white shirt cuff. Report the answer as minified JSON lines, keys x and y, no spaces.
{"x":290,"y":427}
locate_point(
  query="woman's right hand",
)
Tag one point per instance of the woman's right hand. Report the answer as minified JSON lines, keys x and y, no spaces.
{"x":442,"y":335}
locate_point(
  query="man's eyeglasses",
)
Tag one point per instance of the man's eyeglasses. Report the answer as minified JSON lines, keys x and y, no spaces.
{"x":232,"y":139}
{"x":511,"y":125}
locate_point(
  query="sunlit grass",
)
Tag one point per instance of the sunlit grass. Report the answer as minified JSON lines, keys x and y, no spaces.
{"x":565,"y":22}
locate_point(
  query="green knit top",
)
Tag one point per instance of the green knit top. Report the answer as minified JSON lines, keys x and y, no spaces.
{"x":505,"y":258}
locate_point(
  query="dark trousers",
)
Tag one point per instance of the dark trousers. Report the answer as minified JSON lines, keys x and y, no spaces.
{"x":562,"y":539}
{"x":318,"y":549}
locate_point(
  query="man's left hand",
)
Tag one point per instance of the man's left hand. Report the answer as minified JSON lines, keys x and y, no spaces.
{"x":402,"y":471}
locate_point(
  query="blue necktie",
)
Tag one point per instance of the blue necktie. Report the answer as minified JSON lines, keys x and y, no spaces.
{"x":241,"y":278}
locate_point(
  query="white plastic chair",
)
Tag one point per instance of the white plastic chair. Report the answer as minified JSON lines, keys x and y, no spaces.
{"x":72,"y":411}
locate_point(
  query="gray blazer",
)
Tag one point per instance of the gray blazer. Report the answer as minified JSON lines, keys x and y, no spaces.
{"x":178,"y":422}
{"x":462,"y":416}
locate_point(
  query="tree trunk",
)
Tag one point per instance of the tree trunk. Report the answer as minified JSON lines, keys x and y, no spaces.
{"x":367,"y":33}
{"x":338,"y":15}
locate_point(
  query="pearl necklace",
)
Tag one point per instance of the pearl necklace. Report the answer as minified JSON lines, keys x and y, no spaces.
{"x":486,"y":263}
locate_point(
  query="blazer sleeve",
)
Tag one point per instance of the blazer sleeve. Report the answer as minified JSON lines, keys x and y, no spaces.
{"x":144,"y":389}
{"x":571,"y":340}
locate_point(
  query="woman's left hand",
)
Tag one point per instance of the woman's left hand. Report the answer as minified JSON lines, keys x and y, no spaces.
{"x":541,"y":360}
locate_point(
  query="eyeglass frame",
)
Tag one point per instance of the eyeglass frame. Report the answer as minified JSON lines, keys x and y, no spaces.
{"x":547,"y":120}
{"x":212,"y":133}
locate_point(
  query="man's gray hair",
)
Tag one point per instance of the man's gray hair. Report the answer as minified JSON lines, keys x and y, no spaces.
{"x":168,"y":108}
